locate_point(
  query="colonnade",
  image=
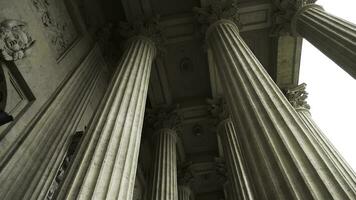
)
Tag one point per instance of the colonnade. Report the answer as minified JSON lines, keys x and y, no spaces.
{"x":272,"y":147}
{"x":273,"y":150}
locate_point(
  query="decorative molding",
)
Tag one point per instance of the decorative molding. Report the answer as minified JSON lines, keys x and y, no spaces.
{"x":215,"y":167}
{"x":180,"y":28}
{"x":195,"y":114}
{"x":220,"y":168}
{"x":15,"y":40}
{"x":217,"y":10}
{"x":218,"y":109}
{"x":292,"y":4}
{"x":297,"y":97}
{"x":19,"y":96}
{"x":60,"y":27}
{"x":164,"y":117}
{"x":146,"y":27}
{"x":185,"y":174}
{"x":283,"y":17}
{"x":255,"y":17}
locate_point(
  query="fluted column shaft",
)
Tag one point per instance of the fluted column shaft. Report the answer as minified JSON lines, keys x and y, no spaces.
{"x":29,"y":165}
{"x":337,"y":160}
{"x":105,"y":167}
{"x":184,"y":192}
{"x":240,"y":185}
{"x":164,"y":184}
{"x":333,"y":36}
{"x":283,"y":158}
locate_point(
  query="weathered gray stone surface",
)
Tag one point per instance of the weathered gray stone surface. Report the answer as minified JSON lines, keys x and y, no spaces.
{"x":53,"y":88}
{"x":184,"y":193}
{"x":297,"y":97}
{"x":42,"y":73}
{"x":164,"y":185}
{"x":283,"y":159}
{"x":106,"y":164}
{"x":28,"y":172}
{"x":333,"y":36}
{"x":241,"y":187}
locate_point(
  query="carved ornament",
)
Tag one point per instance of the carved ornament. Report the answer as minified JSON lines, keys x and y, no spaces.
{"x":217,"y":10}
{"x":148,"y":27}
{"x":218,"y":109}
{"x":285,"y":13}
{"x":185,"y":174}
{"x":164,"y":117}
{"x":220,"y":168}
{"x":15,"y":41}
{"x":297,"y":97}
{"x":58,"y":24}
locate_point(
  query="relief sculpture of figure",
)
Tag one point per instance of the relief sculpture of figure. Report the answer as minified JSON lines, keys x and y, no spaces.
{"x":15,"y":41}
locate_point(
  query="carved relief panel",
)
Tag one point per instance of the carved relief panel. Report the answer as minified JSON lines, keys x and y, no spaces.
{"x":15,"y":41}
{"x":60,"y":28}
{"x":16,"y":96}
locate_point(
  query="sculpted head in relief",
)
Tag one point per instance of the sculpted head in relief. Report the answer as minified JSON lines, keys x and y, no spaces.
{"x":15,"y":41}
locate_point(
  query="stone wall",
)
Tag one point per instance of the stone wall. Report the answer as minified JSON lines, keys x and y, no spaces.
{"x":64,"y":66}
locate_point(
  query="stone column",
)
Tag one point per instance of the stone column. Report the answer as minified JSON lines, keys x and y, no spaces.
{"x":184,"y":192}
{"x":30,"y":162}
{"x":107,"y":161}
{"x":283,"y":159}
{"x":164,"y":180}
{"x":297,"y":97}
{"x":241,"y":187}
{"x":164,"y":185}
{"x":333,"y":36}
{"x":228,"y":191}
{"x":238,"y":179}
{"x":185,"y":180}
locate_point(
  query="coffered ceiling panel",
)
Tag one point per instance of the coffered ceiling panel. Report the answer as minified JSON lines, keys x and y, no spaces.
{"x":167,"y":7}
{"x":188,"y":71}
{"x":185,"y":73}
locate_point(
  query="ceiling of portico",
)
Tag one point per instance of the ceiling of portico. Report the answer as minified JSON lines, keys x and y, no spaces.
{"x":185,"y":75}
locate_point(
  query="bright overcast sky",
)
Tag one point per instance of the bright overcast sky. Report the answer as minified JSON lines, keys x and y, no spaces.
{"x":332,"y":92}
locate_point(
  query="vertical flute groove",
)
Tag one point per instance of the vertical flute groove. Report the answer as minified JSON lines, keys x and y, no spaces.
{"x":33,"y":166}
{"x":333,"y":36}
{"x":240,"y":184}
{"x":164,"y":180}
{"x":292,"y":165}
{"x":109,"y":153}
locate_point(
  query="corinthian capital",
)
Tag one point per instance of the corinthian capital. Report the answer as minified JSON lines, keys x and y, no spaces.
{"x":292,"y":4}
{"x":164,"y":117}
{"x":285,"y":14}
{"x":297,"y":97}
{"x":149,"y":27}
{"x":185,"y":174}
{"x":218,"y":108}
{"x":217,"y":10}
{"x":220,"y":168}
